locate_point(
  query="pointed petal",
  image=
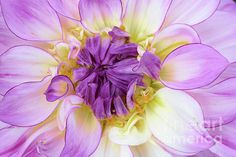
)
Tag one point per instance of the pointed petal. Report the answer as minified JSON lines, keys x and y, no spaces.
{"x":23,"y":64}
{"x":83,"y":133}
{"x":218,"y":102}
{"x":26,"y":104}
{"x":174,"y":118}
{"x":190,"y":12}
{"x":68,"y":9}
{"x":172,"y":37}
{"x":40,"y":21}
{"x":192,"y":66}
{"x":225,"y":40}
{"x":144,"y":17}
{"x":150,"y":148}
{"x":102,"y":14}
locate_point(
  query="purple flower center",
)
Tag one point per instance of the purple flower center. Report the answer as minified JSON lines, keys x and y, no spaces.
{"x":108,"y":70}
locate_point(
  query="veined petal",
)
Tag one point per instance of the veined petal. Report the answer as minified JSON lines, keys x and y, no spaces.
{"x":135,"y":132}
{"x":68,"y":9}
{"x":32,"y":20}
{"x":172,"y":37}
{"x":83,"y":133}
{"x":150,"y":148}
{"x":222,"y":150}
{"x":26,"y":104}
{"x":192,"y":66}
{"x":23,"y":64}
{"x":190,"y":12}
{"x":144,"y":17}
{"x":220,"y":32}
{"x":176,"y":120}
{"x":217,"y":102}
{"x":100,"y":15}
{"x":107,"y":148}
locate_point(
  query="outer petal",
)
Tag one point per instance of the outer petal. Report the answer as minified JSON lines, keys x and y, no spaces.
{"x":228,"y":6}
{"x":175,"y":118}
{"x":26,"y":104}
{"x":7,"y":38}
{"x":144,"y":17}
{"x":68,"y":9}
{"x":220,"y":32}
{"x":173,"y":37}
{"x":83,"y":133}
{"x":150,"y":148}
{"x":190,"y":12}
{"x":107,"y":148}
{"x":99,"y":15}
{"x":192,"y":66}
{"x":218,"y":102}
{"x":22,"y":64}
{"x":31,"y":20}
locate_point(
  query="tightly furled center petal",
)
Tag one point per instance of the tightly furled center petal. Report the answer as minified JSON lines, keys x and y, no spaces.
{"x":108,"y":68}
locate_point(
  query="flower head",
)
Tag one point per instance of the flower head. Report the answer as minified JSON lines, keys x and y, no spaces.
{"x":117,"y":78}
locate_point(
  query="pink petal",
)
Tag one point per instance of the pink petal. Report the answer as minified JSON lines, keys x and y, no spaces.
{"x":22,"y":64}
{"x":83,"y":133}
{"x":223,"y":151}
{"x":26,"y":104}
{"x":11,"y":136}
{"x":99,"y":15}
{"x":220,"y":32}
{"x":68,"y":9}
{"x":172,"y":37}
{"x":228,"y":6}
{"x":192,"y":66}
{"x":190,"y":12}
{"x":218,"y":102}
{"x":31,"y":20}
{"x":144,"y":17}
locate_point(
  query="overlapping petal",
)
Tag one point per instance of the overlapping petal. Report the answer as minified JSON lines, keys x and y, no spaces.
{"x":190,"y":12}
{"x":32,"y":20}
{"x":100,"y":15}
{"x":68,"y":9}
{"x":144,"y":17}
{"x":174,"y":118}
{"x":218,"y":102}
{"x":192,"y":66}
{"x":172,"y":37}
{"x":83,"y":133}
{"x":23,"y":64}
{"x":26,"y":104}
{"x":220,"y":32}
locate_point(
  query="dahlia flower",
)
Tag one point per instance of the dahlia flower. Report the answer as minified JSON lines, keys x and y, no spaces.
{"x":121,"y":78}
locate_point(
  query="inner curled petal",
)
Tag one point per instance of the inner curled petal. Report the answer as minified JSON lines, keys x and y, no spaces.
{"x":108,"y":67}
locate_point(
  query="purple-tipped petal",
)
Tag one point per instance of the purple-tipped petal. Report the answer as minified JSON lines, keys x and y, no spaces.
{"x":26,"y":104}
{"x":32,"y":20}
{"x":59,"y":87}
{"x":172,"y":37}
{"x":190,"y":12}
{"x":82,"y":135}
{"x":68,"y":9}
{"x":144,"y":17}
{"x":102,"y":14}
{"x":23,"y":64}
{"x":192,"y":66}
{"x":218,"y":102}
{"x":130,"y":94}
{"x":150,"y":64}
{"x":220,"y":32}
{"x":120,"y":107}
